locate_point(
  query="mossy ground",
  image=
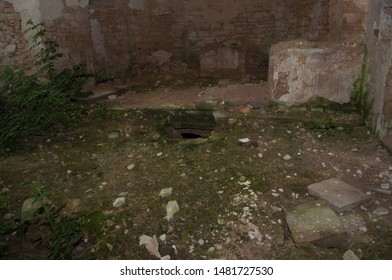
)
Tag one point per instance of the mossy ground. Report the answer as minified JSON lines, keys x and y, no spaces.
{"x":207,"y":181}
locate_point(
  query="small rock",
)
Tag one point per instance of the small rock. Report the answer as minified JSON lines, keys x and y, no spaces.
{"x":30,"y":207}
{"x":166,"y":192}
{"x":232,"y":121}
{"x":287,"y":157}
{"x":114,"y":134}
{"x":275,"y":194}
{"x":385,"y":186}
{"x":211,"y":250}
{"x":201,"y":242}
{"x":275,"y":208}
{"x":159,"y":154}
{"x":381,"y":191}
{"x":350,"y":255}
{"x":171,"y":208}
{"x":162,"y":237}
{"x":363,"y":229}
{"x":380,"y":211}
{"x":151,"y":244}
{"x":110,"y":247}
{"x":5,"y":190}
{"x":246,"y":110}
{"x":260,"y":155}
{"x":268,"y":237}
{"x":69,"y":172}
{"x":119,"y":202}
{"x":131,"y":166}
{"x":112,"y":97}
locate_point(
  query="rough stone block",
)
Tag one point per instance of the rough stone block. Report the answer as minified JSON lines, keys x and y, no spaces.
{"x":315,"y":222}
{"x":340,"y":195}
{"x":301,"y":71}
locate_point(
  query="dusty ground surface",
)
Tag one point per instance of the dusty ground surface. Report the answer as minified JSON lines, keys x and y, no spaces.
{"x":231,"y":197}
{"x":254,"y":94}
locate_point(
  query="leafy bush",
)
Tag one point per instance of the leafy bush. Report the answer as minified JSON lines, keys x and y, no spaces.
{"x":32,"y":104}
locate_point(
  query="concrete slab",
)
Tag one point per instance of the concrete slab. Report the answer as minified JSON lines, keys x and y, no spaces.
{"x":315,"y":222}
{"x":340,"y":195}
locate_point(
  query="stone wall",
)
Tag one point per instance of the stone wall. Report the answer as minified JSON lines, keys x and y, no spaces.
{"x":347,"y":20}
{"x":66,"y":21}
{"x":379,"y":45}
{"x":14,"y":48}
{"x":303,"y":71}
{"x":229,"y":36}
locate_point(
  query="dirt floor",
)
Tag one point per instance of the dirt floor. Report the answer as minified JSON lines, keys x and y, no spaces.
{"x":100,"y":182}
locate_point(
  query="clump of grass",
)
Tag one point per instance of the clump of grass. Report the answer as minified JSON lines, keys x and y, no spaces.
{"x":59,"y":234}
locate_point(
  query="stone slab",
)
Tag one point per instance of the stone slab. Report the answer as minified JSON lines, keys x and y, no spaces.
{"x":340,"y":195}
{"x":301,"y":71}
{"x":315,"y":222}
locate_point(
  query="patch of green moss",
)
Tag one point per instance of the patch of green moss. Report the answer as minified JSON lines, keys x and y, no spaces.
{"x":360,"y":95}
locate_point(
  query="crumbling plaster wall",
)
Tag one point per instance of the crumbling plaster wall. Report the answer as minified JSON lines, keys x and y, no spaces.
{"x":230,"y":35}
{"x":14,"y":42}
{"x":379,"y":46}
{"x":65,"y":21}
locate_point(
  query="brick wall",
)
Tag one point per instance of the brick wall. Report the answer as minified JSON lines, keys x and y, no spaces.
{"x":72,"y":31}
{"x":229,"y":35}
{"x":14,"y":49}
{"x":348,"y":20}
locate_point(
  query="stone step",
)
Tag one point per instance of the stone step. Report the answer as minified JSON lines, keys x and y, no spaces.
{"x":102,"y":93}
{"x":339,"y":195}
{"x":315,"y":222}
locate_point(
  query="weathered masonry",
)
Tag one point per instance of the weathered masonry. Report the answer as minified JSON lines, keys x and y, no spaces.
{"x":318,"y":46}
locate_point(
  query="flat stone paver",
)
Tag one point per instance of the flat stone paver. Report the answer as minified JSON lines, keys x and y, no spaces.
{"x":340,"y":195}
{"x":315,"y":222}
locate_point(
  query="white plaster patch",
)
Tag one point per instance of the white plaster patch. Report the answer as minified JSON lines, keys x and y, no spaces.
{"x":52,"y":9}
{"x":27,"y":10}
{"x":136,"y":4}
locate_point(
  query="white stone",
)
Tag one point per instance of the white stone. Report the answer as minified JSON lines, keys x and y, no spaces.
{"x":350,"y":255}
{"x":287,"y":157}
{"x":119,"y":202}
{"x":380,"y":211}
{"x":166,"y":192}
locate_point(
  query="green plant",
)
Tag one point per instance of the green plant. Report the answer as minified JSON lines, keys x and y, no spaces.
{"x":219,"y":143}
{"x":34,"y":104}
{"x":47,"y":49}
{"x":99,"y":111}
{"x":360,"y":95}
{"x":104,"y":76}
{"x":59,"y":234}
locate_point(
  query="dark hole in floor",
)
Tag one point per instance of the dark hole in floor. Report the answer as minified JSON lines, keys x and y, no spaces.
{"x":191,"y":136}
